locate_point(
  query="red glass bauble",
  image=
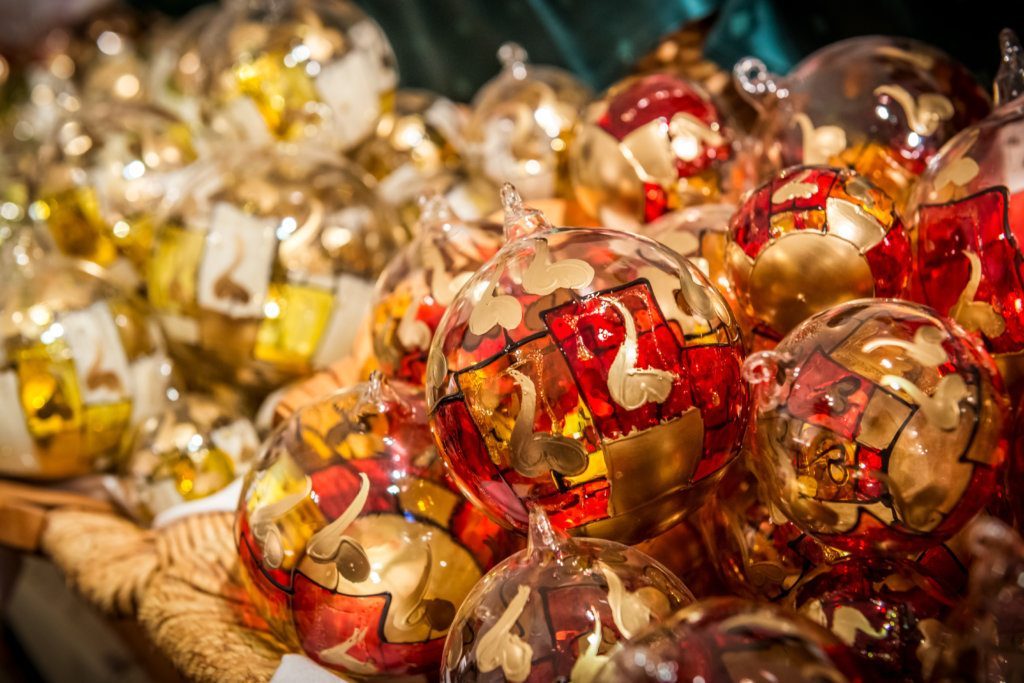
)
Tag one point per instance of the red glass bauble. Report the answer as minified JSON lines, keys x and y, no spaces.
{"x":353,"y":544}
{"x":649,"y":145}
{"x":591,"y":372}
{"x":730,"y":640}
{"x":881,"y":426}
{"x":810,"y":238}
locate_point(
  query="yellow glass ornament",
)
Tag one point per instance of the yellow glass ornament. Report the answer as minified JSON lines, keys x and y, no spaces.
{"x":313,"y":70}
{"x":80,"y":362}
{"x":262,"y":274}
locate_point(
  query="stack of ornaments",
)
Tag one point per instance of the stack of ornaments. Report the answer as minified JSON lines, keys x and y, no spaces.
{"x":769,"y":369}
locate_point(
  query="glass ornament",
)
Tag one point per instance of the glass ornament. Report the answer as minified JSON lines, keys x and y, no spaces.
{"x":810,"y":238}
{"x":757,"y":554}
{"x":731,"y":640}
{"x":193,"y":449}
{"x":106,"y":175}
{"x":414,"y":149}
{"x":81,"y":362}
{"x":700,"y":233}
{"x":885,"y":611}
{"x":420,"y":283}
{"x":880,"y":105}
{"x":592,"y":372}
{"x":265,"y":268}
{"x":649,"y":145}
{"x":881,"y":426}
{"x":315,"y":71}
{"x":557,"y":610}
{"x":521,"y":124}
{"x":982,"y":638}
{"x":353,"y":544}
{"x":176,"y":73}
{"x":967,"y":217}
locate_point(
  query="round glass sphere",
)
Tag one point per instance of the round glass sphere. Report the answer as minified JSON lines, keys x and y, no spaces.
{"x":265,"y":268}
{"x":353,"y":544}
{"x":318,"y":71}
{"x":880,"y":105}
{"x":80,"y":363}
{"x":592,"y":372}
{"x":881,"y":426}
{"x":193,"y":449}
{"x":885,"y":611}
{"x":810,"y":238}
{"x":555,"y":611}
{"x":414,"y":149}
{"x":967,"y":217}
{"x":106,"y":175}
{"x":420,"y":283}
{"x":730,"y":640}
{"x":521,"y":123}
{"x":649,"y":145}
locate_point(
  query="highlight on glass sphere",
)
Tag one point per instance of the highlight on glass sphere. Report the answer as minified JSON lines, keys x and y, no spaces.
{"x":880,"y":105}
{"x":521,"y":124}
{"x":176,"y":73}
{"x":105,"y":178}
{"x":421,"y":281}
{"x":813,"y":237}
{"x":888,"y":612}
{"x":732,"y":640}
{"x":415,"y":148}
{"x":80,"y":363}
{"x":592,"y":372}
{"x":967,"y":217}
{"x":700,"y":233}
{"x":354,"y":546}
{"x":195,"y":448}
{"x":557,"y":610}
{"x":318,"y":71}
{"x":649,"y":145}
{"x":264,"y":269}
{"x":881,"y":426}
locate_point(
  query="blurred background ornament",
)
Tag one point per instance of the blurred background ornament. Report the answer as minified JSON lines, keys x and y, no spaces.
{"x":967,"y":217}
{"x":415,"y":149}
{"x":757,"y":554}
{"x":812,"y":237}
{"x":557,"y":610}
{"x":888,"y":612}
{"x":353,"y":543}
{"x":591,"y":372}
{"x":421,"y":281}
{"x":649,"y":145}
{"x":106,"y":176}
{"x":192,"y":450}
{"x":881,"y":427}
{"x":730,"y":640}
{"x":880,"y":105}
{"x":982,"y":638}
{"x":263,"y":271}
{"x":318,"y":71}
{"x":682,"y":551}
{"x":521,"y":125}
{"x":176,"y":73}
{"x":80,"y":362}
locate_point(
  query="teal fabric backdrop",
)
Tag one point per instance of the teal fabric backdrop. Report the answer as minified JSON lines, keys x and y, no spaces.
{"x":449,"y":45}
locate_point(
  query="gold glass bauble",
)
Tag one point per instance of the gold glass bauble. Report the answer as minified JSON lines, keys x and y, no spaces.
{"x":105,"y":176}
{"x":264,"y":270}
{"x":80,"y":363}
{"x":193,"y":449}
{"x":521,"y":124}
{"x":319,"y":71}
{"x":414,"y":149}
